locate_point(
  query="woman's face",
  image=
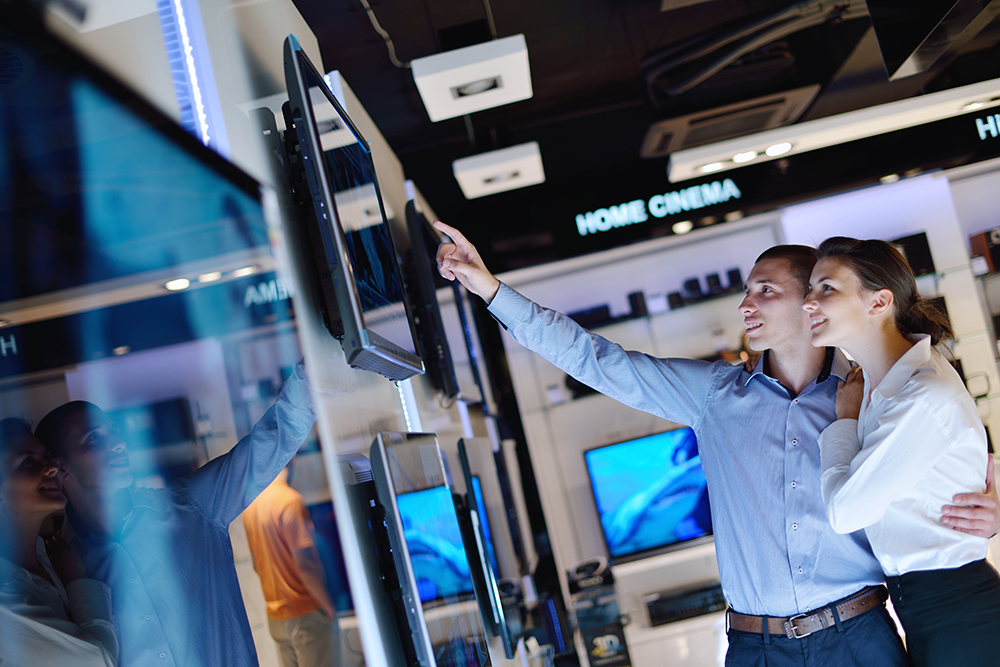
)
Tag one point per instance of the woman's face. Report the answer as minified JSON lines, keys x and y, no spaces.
{"x":836,"y":303}
{"x":30,"y":481}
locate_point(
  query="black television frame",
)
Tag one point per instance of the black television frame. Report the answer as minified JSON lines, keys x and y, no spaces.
{"x":342,"y":311}
{"x":652,"y":551}
{"x":422,"y":292}
{"x":486,"y":580}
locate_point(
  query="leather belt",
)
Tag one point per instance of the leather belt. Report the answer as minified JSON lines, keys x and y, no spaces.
{"x":803,"y":625}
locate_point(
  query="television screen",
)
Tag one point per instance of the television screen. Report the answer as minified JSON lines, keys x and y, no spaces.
{"x":436,"y":588}
{"x":420,"y":273}
{"x":651,"y":494}
{"x":430,"y":528}
{"x":361,"y":282}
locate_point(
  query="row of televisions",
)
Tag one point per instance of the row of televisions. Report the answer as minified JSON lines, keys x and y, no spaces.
{"x":435,"y":549}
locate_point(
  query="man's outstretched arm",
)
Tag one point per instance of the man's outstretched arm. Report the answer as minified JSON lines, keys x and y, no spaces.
{"x":976,"y":513}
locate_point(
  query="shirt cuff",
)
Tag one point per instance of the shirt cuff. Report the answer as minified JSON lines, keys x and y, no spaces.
{"x":508,"y":307}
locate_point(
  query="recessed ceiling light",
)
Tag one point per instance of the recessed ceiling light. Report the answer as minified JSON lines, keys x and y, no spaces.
{"x":476,"y":87}
{"x":746,"y":156}
{"x":732,"y":216}
{"x":119,"y":351}
{"x":889,"y":178}
{"x":683,"y":227}
{"x":501,"y":178}
{"x":4,"y":323}
{"x":178,"y":284}
{"x":709,"y":168}
{"x":778,"y":149}
{"x":245,"y":271}
{"x":210,"y":277}
{"x":972,"y":106}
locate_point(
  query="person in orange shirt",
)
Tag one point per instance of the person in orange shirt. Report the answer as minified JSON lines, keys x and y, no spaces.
{"x":301,"y":616}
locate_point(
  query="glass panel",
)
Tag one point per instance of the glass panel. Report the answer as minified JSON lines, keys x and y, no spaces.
{"x":150,"y":389}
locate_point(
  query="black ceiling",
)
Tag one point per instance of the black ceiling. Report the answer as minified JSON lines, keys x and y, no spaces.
{"x":591,"y":105}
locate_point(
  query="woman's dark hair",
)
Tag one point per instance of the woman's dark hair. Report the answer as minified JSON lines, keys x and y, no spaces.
{"x":879,"y":265}
{"x":13,"y":429}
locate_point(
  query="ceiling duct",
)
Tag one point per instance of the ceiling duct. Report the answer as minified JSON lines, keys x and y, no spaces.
{"x":679,"y":68}
{"x":726,"y":122}
{"x":912,"y":36}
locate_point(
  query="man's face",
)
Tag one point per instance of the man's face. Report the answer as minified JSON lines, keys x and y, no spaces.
{"x":93,"y":455}
{"x":30,"y":481}
{"x":772,"y":309}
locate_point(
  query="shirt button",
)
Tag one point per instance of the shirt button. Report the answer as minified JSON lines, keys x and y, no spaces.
{"x":147,"y":617}
{"x":800,"y":572}
{"x":795,"y":526}
{"x":794,"y":441}
{"x":164,"y":655}
{"x":795,"y":400}
{"x":793,"y":485}
{"x":131,"y":581}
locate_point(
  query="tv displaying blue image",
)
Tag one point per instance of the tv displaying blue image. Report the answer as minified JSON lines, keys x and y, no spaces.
{"x":651,"y":494}
{"x":434,"y":540}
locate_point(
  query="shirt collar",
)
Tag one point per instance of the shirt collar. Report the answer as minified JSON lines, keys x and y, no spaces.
{"x":836,"y":364}
{"x":903,"y":370}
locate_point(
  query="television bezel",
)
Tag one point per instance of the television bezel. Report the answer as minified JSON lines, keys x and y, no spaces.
{"x":363,"y":347}
{"x":422,"y":292}
{"x":652,"y":551}
{"x":493,"y":611}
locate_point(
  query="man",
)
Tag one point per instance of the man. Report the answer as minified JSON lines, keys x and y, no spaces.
{"x":799,"y":593}
{"x":300,"y":615}
{"x":166,"y":553}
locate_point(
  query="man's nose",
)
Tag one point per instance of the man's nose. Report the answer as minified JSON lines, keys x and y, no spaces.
{"x":746,"y":306}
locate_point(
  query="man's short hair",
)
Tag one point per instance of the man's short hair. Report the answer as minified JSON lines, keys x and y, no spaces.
{"x":801,"y":260}
{"x":13,"y":429}
{"x":52,"y":428}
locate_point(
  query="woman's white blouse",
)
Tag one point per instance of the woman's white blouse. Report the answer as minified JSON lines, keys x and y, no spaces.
{"x":918,"y":442}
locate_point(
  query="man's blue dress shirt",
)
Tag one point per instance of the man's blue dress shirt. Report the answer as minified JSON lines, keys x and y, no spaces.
{"x":175,"y":595}
{"x":777,"y":553}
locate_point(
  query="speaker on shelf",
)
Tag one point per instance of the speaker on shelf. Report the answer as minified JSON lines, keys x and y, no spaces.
{"x":987,"y":245}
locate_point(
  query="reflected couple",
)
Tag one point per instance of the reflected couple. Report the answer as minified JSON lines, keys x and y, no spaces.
{"x":166,"y":553}
{"x":50,"y":611}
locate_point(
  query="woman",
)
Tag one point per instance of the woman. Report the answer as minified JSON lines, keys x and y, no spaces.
{"x":44,"y":620}
{"x":907,"y":438}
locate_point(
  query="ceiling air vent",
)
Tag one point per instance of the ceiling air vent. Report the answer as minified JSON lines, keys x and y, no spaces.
{"x":726,"y":122}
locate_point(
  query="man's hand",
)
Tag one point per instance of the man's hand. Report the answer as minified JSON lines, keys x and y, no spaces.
{"x":974,"y":513}
{"x":460,"y":259}
{"x":849,"y":395}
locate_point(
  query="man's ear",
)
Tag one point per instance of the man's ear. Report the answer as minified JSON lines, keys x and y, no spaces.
{"x":881,"y":301}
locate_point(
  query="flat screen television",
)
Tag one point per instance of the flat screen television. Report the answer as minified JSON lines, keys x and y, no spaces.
{"x":651,"y":494}
{"x":420,"y":269}
{"x":497,"y":617}
{"x":430,"y":560}
{"x":361,"y":285}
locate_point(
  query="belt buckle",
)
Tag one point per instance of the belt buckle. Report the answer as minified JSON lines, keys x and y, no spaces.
{"x":792,"y":631}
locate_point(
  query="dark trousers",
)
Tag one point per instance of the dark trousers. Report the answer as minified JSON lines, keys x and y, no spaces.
{"x":868,"y":640}
{"x":951,"y":617}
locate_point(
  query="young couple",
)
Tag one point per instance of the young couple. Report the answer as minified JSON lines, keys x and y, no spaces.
{"x":899,"y":442}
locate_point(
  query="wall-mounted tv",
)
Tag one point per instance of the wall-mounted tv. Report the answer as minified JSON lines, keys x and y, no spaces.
{"x":651,"y":494}
{"x":361,"y":286}
{"x":428,"y":552}
{"x":501,"y":620}
{"x":419,"y":271}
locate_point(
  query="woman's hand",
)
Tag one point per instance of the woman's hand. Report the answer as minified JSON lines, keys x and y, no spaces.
{"x":460,"y":259}
{"x":849,"y":395}
{"x":975,"y":513}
